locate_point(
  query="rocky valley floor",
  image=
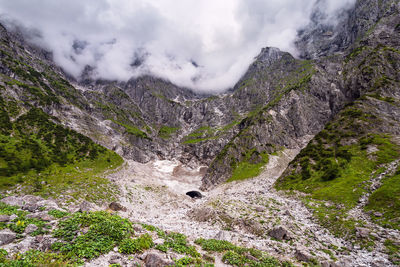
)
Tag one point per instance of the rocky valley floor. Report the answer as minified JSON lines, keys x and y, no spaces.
{"x":249,"y":213}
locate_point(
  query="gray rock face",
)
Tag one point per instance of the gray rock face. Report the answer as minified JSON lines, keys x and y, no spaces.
{"x":85,"y":206}
{"x":115,"y":206}
{"x":362,"y":232}
{"x":4,"y":218}
{"x":279,"y":233}
{"x":278,"y":103}
{"x":7,"y":236}
{"x":30,"y":228}
{"x":301,"y":255}
{"x":156,"y":260}
{"x":13,"y":201}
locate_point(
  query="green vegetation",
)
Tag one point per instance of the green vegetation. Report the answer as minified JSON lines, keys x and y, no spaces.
{"x":206,"y":133}
{"x":250,"y":166}
{"x":131,"y":246}
{"x":58,"y":213}
{"x":49,"y":159}
{"x":33,"y":258}
{"x":393,"y":250}
{"x":105,"y":231}
{"x":238,"y":256}
{"x":386,"y":200}
{"x":133,"y":130}
{"x":336,"y":166}
{"x":178,"y":242}
{"x":19,"y":224}
{"x":166,"y":132}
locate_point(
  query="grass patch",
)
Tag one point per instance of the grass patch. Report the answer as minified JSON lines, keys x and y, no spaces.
{"x":386,"y":200}
{"x":131,"y":246}
{"x":166,"y":132}
{"x":133,"y":130}
{"x":105,"y":231}
{"x":247,"y":168}
{"x":239,"y":256}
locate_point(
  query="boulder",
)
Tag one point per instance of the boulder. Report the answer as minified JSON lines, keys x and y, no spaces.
{"x":329,"y":264}
{"x":115,"y":206}
{"x":31,"y":207}
{"x":13,"y":201}
{"x":251,"y":226}
{"x":223,"y":235}
{"x":194,"y":194}
{"x":202,"y":214}
{"x":362,"y":232}
{"x":301,"y":255}
{"x":156,"y":260}
{"x":4,"y":218}
{"x":30,"y":228}
{"x":279,"y":233}
{"x":7,"y":236}
{"x":85,"y":206}
{"x":260,"y":209}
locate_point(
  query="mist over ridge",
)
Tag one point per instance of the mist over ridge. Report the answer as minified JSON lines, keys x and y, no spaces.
{"x":206,"y":46}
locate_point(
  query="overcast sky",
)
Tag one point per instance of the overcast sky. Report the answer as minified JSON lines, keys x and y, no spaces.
{"x":206,"y":45}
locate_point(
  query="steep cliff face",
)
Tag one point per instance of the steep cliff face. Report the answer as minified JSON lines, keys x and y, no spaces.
{"x":281,"y":102}
{"x":338,"y":76}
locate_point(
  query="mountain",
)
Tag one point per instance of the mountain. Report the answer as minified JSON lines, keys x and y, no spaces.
{"x":326,"y":125}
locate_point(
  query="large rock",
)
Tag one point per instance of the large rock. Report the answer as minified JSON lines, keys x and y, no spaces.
{"x":302,"y":255}
{"x":279,"y":233}
{"x":115,"y":206}
{"x":4,"y":218}
{"x":156,"y":260}
{"x":362,"y":232}
{"x":31,"y":228}
{"x":202,"y":214}
{"x":85,"y":206}
{"x":13,"y":201}
{"x":7,"y":236}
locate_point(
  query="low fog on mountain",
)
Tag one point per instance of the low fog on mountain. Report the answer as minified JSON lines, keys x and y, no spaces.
{"x":203,"y":45}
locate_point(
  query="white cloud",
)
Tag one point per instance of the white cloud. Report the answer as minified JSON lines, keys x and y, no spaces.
{"x":206,"y":45}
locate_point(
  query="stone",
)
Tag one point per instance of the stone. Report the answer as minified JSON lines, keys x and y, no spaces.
{"x":222,"y":235}
{"x":115,"y":206}
{"x":279,"y":233}
{"x":362,"y":232}
{"x":251,"y":226}
{"x":31,"y":207}
{"x":301,"y":255}
{"x":4,"y":218}
{"x":115,"y":259}
{"x":158,"y":241}
{"x":13,"y":217}
{"x":287,"y":213}
{"x":260,"y":209}
{"x":202,"y":214}
{"x":156,"y":260}
{"x":137,"y":228}
{"x":7,"y":236}
{"x":13,"y":201}
{"x":329,"y":264}
{"x":378,"y":214}
{"x":46,"y":242}
{"x":194,"y":194}
{"x":30,"y":228}
{"x":85,"y":206}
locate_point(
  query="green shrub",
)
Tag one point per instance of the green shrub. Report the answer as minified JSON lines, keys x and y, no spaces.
{"x":130,"y":246}
{"x":105,"y":231}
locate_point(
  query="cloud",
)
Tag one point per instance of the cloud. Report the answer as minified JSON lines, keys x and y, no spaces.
{"x":204,"y":45}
